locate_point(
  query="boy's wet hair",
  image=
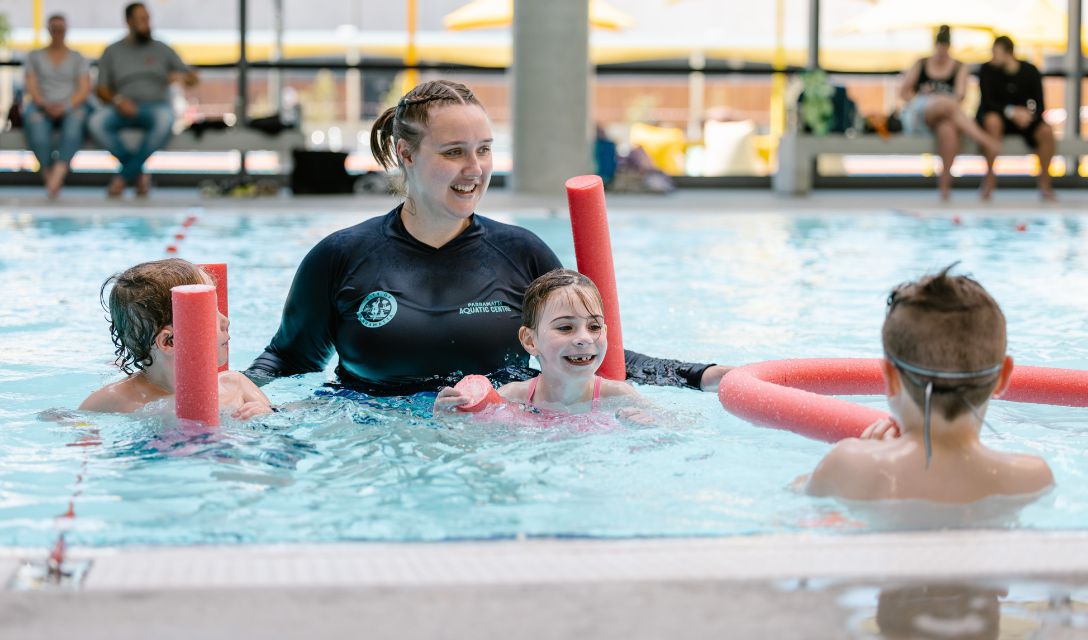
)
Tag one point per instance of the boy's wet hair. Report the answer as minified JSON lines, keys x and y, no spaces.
{"x":945,"y":323}
{"x":140,"y":306}
{"x":1005,"y":42}
{"x":536,"y":296}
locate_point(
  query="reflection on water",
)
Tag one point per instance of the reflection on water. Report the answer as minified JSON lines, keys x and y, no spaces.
{"x":967,"y":611}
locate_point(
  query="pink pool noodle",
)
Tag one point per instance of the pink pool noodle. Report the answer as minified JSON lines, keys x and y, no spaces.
{"x":196,"y":382}
{"x":218,"y":272}
{"x":480,"y":392}
{"x":593,"y":250}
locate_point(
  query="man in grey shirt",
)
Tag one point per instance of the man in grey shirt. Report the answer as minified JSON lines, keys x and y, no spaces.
{"x":134,"y":77}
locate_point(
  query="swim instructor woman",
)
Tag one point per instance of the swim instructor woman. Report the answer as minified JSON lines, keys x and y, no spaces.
{"x":412,"y":300}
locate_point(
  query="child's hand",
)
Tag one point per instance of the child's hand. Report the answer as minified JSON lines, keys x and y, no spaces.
{"x":635,"y":415}
{"x":884,"y":429}
{"x":252,"y":409}
{"x":449,"y":399}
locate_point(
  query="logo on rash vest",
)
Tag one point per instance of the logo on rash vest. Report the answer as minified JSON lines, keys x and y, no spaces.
{"x":494,"y":306}
{"x":377,"y":309}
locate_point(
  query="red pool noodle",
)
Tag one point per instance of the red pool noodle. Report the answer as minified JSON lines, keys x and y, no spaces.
{"x":593,"y":250}
{"x":793,"y":394}
{"x":218,"y":272}
{"x":196,"y":382}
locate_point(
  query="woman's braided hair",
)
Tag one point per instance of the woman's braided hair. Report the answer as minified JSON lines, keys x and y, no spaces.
{"x":408,"y":119}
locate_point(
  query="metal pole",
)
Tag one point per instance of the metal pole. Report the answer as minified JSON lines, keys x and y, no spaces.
{"x":696,"y":95}
{"x":411,"y":56}
{"x":1074,"y":66}
{"x":36,"y":39}
{"x":275,"y":78}
{"x":242,"y":105}
{"x":813,"y":35}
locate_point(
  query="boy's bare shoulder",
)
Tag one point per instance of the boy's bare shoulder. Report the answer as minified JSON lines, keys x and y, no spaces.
{"x":234,"y":378}
{"x":1026,"y":473}
{"x":123,"y":396}
{"x":850,"y":470}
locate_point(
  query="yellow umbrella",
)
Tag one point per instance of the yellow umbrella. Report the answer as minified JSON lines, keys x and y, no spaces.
{"x":901,"y":15}
{"x":497,"y":14}
{"x":1039,"y":25}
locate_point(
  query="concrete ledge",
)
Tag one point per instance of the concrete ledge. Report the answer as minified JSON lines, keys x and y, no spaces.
{"x":928,"y":555}
{"x":783,"y":587}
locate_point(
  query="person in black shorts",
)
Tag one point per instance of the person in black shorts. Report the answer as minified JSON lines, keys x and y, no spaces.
{"x":413,"y":300}
{"x":1012,"y":103}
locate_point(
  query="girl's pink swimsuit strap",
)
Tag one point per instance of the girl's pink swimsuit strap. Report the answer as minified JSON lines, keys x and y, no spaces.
{"x":596,"y":391}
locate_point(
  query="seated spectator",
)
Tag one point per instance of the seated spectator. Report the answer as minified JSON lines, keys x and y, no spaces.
{"x":134,"y":77}
{"x":933,"y":90}
{"x":57,"y":83}
{"x":1012,"y":102}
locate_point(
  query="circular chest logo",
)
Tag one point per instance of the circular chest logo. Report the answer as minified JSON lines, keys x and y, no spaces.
{"x":377,"y":309}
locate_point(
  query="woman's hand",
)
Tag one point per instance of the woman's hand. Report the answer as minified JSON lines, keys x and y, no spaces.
{"x":449,"y":399}
{"x":884,"y":429}
{"x":712,"y":377}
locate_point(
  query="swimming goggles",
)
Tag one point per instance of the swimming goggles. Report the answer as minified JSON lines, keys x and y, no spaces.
{"x":913,"y":371}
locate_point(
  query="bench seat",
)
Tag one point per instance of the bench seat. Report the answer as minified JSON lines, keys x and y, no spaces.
{"x":797,"y":153}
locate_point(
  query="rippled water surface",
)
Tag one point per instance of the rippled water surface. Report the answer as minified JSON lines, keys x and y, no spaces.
{"x":724,"y":287}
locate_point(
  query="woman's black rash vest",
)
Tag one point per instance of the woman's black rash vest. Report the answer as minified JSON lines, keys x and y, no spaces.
{"x":405,"y":317}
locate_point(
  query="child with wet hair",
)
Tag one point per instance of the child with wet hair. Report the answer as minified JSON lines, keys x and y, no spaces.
{"x":563,"y":326}
{"x":944,"y":358}
{"x":141,"y":326}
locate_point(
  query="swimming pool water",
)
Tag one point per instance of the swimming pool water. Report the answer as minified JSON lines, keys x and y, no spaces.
{"x":731,"y":288}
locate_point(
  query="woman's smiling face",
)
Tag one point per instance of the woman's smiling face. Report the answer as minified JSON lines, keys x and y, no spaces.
{"x":449,"y":172}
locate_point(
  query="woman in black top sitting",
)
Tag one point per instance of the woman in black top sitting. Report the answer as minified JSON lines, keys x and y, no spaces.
{"x":431,"y":291}
{"x":933,"y":89}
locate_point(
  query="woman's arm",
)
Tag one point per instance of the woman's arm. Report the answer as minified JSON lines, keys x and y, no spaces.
{"x":32,"y":88}
{"x":910,"y":78}
{"x":1035,"y":92}
{"x":304,"y":341}
{"x":83,"y":89}
{"x":960,"y":83}
{"x":672,"y":373}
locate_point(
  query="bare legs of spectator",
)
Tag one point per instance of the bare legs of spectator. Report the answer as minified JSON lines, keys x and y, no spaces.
{"x":948,"y":143}
{"x":942,"y":108}
{"x":994,"y":126}
{"x":947,"y":121}
{"x":1044,"y":148}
